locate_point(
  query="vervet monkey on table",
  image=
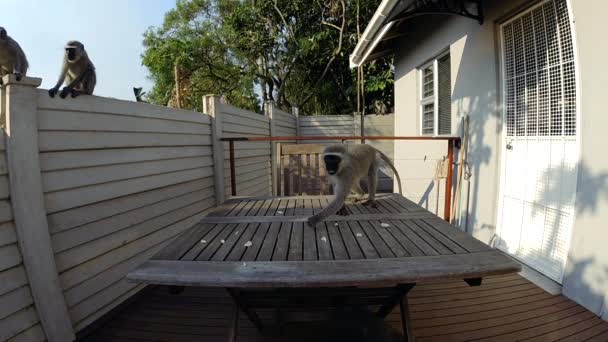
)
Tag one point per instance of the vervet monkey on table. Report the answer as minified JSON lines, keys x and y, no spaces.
{"x":346,"y":164}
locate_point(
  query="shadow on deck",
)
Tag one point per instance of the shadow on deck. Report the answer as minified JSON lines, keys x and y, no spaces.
{"x":506,"y":308}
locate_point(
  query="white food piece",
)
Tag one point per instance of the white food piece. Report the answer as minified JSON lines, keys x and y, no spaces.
{"x":222,"y":241}
{"x":359,"y":235}
{"x":336,"y":224}
{"x":203,"y":241}
{"x":323,"y":238}
{"x":248,"y":244}
{"x":384,"y":225}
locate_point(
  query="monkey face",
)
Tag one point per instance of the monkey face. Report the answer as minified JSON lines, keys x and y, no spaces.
{"x":2,"y":33}
{"x":332,"y":163}
{"x":70,"y":53}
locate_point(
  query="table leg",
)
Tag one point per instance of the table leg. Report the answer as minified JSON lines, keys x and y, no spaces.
{"x":393,"y":301}
{"x":408,"y":335}
{"x":251,"y":314}
{"x":234,"y":327}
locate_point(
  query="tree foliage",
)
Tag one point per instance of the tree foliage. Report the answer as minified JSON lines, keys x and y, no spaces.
{"x":289,"y":51}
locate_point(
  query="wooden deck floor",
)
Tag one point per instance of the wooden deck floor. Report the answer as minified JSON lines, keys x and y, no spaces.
{"x":506,"y":308}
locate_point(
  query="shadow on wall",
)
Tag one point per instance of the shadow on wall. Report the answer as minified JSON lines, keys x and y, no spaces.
{"x":484,"y":132}
{"x":586,"y":279}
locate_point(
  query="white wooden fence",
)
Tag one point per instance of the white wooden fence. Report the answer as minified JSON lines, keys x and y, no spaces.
{"x":91,"y":187}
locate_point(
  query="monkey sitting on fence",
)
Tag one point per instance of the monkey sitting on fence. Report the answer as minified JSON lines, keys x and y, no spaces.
{"x":346,"y":164}
{"x":77,"y":71}
{"x":12,"y":57}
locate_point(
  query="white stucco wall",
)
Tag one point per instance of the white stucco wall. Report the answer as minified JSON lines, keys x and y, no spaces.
{"x":586,"y":278}
{"x":474,"y":77}
{"x":476,"y":92}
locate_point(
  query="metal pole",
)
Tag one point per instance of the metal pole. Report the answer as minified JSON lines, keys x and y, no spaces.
{"x":232,"y":167}
{"x":448,"y":182}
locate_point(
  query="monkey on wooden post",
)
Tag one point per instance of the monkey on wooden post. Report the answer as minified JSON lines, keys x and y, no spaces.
{"x":12,"y":57}
{"x":346,"y":165}
{"x":77,"y":71}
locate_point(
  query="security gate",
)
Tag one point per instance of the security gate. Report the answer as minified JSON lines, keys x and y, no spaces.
{"x":540,"y":150}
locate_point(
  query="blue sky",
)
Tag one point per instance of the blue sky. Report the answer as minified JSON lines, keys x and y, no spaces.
{"x":111,"y":31}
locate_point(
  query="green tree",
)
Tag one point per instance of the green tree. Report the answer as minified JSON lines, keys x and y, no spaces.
{"x":292,"y":52}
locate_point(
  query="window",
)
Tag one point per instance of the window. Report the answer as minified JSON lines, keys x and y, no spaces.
{"x":436,"y":97}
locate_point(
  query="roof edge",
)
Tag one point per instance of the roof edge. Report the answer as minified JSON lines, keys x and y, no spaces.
{"x":369,"y":39}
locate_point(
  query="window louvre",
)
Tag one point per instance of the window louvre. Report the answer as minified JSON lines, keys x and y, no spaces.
{"x":436,"y":97}
{"x":445,"y":95}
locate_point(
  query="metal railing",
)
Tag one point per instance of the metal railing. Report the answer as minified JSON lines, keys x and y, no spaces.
{"x":452,"y":142}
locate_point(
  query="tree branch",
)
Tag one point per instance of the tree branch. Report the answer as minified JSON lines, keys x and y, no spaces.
{"x":333,"y":57}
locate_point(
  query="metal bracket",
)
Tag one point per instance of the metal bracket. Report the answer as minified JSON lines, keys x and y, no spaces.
{"x":473,"y":281}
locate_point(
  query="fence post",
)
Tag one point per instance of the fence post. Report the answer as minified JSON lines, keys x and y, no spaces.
{"x":211,"y":106}
{"x":296,"y":113}
{"x":269,"y":111}
{"x":29,"y":211}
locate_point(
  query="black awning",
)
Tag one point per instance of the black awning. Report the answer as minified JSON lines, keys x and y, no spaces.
{"x":395,"y":24}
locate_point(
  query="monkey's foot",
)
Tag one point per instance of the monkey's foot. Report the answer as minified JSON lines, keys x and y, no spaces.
{"x":64,"y":93}
{"x":18,"y":76}
{"x":371,"y":203}
{"x":343,"y":211}
{"x":74,"y":93}
{"x":52,"y":92}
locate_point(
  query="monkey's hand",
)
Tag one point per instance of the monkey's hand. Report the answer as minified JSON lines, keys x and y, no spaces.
{"x":52,"y":92}
{"x":64,"y":92}
{"x":312,"y":221}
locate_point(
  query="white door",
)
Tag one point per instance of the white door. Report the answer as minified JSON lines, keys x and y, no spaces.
{"x":540,"y":147}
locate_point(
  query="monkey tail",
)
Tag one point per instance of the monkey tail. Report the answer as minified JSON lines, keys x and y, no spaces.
{"x":388,"y":161}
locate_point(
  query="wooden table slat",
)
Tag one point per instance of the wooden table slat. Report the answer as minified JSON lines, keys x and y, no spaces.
{"x":181,"y":244}
{"x":256,"y":242}
{"x":428,"y":238}
{"x":338,"y":247}
{"x":352,"y":247}
{"x":296,"y":241}
{"x":281,"y":249}
{"x":269,"y":243}
{"x":303,"y":218}
{"x":379,"y":244}
{"x":365,"y":272}
{"x":229,"y":244}
{"x":439,"y":236}
{"x":204,"y":251}
{"x":323,"y":243}
{"x":365,"y":244}
{"x":243,"y":243}
{"x":469,"y":243}
{"x":417,"y":242}
{"x":310,"y":243}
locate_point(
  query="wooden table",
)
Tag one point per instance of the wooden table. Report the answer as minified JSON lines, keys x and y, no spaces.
{"x":373,"y":255}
